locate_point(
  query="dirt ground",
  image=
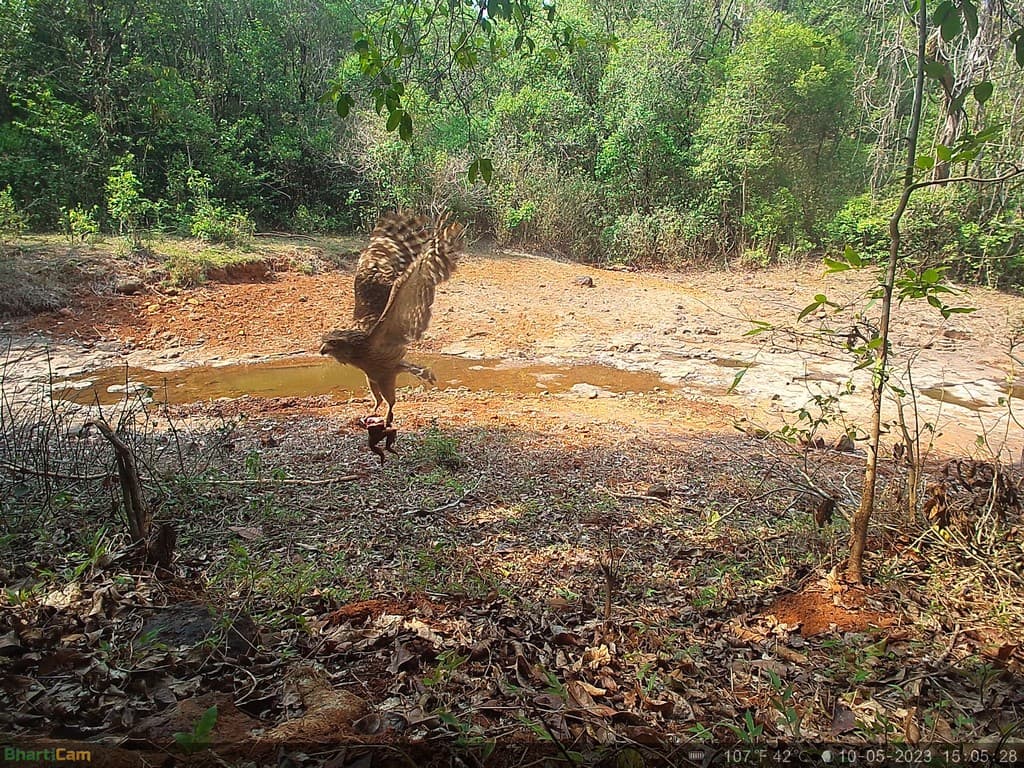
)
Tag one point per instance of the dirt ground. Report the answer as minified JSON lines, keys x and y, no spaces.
{"x":691,"y":329}
{"x":640,"y":568}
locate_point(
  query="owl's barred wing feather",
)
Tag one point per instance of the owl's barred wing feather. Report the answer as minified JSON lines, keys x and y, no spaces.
{"x":395,"y":243}
{"x":407,"y":313}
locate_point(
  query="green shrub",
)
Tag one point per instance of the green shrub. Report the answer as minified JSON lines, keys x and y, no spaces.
{"x":12,"y":221}
{"x":942,"y":227}
{"x":773,"y":224}
{"x":125,"y":203}
{"x":542,"y":207}
{"x":666,"y":237}
{"x":214,"y":223}
{"x":517,"y":219}
{"x":80,"y":224}
{"x":862,"y":223}
{"x":309,"y":222}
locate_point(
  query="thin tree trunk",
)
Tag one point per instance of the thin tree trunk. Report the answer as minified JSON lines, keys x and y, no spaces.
{"x":969,"y":69}
{"x":861,"y":518}
{"x":135,"y":508}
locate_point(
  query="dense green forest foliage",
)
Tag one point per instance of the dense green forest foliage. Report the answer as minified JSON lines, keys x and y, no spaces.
{"x":681,"y":134}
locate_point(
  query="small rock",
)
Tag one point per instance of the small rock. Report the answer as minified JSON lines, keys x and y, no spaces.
{"x":131,"y":388}
{"x":844,"y":443}
{"x":584,"y":281}
{"x":129,"y":286}
{"x":953,"y":333}
{"x":659,"y":491}
{"x":588,"y":391}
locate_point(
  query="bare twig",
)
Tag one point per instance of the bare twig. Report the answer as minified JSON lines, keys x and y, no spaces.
{"x":51,"y":475}
{"x":273,"y":481}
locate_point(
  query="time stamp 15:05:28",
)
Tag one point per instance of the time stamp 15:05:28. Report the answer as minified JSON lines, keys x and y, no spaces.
{"x":895,"y":755}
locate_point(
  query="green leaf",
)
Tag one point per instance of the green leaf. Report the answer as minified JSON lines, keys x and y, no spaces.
{"x":394,"y":118}
{"x":405,"y":127}
{"x":966,"y":156}
{"x":205,"y":725}
{"x":852,"y":256}
{"x":1017,"y":38}
{"x":344,"y":104}
{"x":970,"y":12}
{"x":951,"y":27}
{"x":835,"y":266}
{"x":924,"y":162}
{"x":330,"y":94}
{"x":931,"y":275}
{"x":486,"y":169}
{"x":481,"y":168}
{"x":982,"y":91}
{"x":737,"y":379}
{"x":813,"y":306}
{"x":944,"y":153}
{"x":760,"y":326}
{"x":943,"y":11}
{"x":989,"y":133}
{"x":937,"y":71}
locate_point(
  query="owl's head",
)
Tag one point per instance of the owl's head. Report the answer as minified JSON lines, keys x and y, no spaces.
{"x":343,"y":346}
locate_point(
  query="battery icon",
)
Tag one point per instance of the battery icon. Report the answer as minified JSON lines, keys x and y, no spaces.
{"x":696,"y":755}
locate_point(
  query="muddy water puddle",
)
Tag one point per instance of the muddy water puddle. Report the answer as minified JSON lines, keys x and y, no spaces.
{"x":306,"y":377}
{"x":943,"y":395}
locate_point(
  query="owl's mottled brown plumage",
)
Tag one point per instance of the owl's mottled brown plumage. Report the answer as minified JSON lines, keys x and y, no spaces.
{"x":395,"y":282}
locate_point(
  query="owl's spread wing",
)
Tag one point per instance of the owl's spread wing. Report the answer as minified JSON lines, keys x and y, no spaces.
{"x":407,"y":313}
{"x":395,"y":243}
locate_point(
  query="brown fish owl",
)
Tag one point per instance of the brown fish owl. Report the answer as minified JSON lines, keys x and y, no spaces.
{"x":394,"y":289}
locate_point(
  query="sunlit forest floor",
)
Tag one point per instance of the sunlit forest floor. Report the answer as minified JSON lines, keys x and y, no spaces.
{"x":626,"y":575}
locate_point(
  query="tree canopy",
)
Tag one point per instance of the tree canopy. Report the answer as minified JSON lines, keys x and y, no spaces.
{"x":604,"y":131}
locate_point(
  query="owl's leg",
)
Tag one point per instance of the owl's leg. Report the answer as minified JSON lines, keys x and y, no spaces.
{"x":378,"y":398}
{"x":419,"y":371}
{"x":387,"y":391}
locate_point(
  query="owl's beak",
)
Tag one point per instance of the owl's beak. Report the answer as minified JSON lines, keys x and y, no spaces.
{"x":323,"y":349}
